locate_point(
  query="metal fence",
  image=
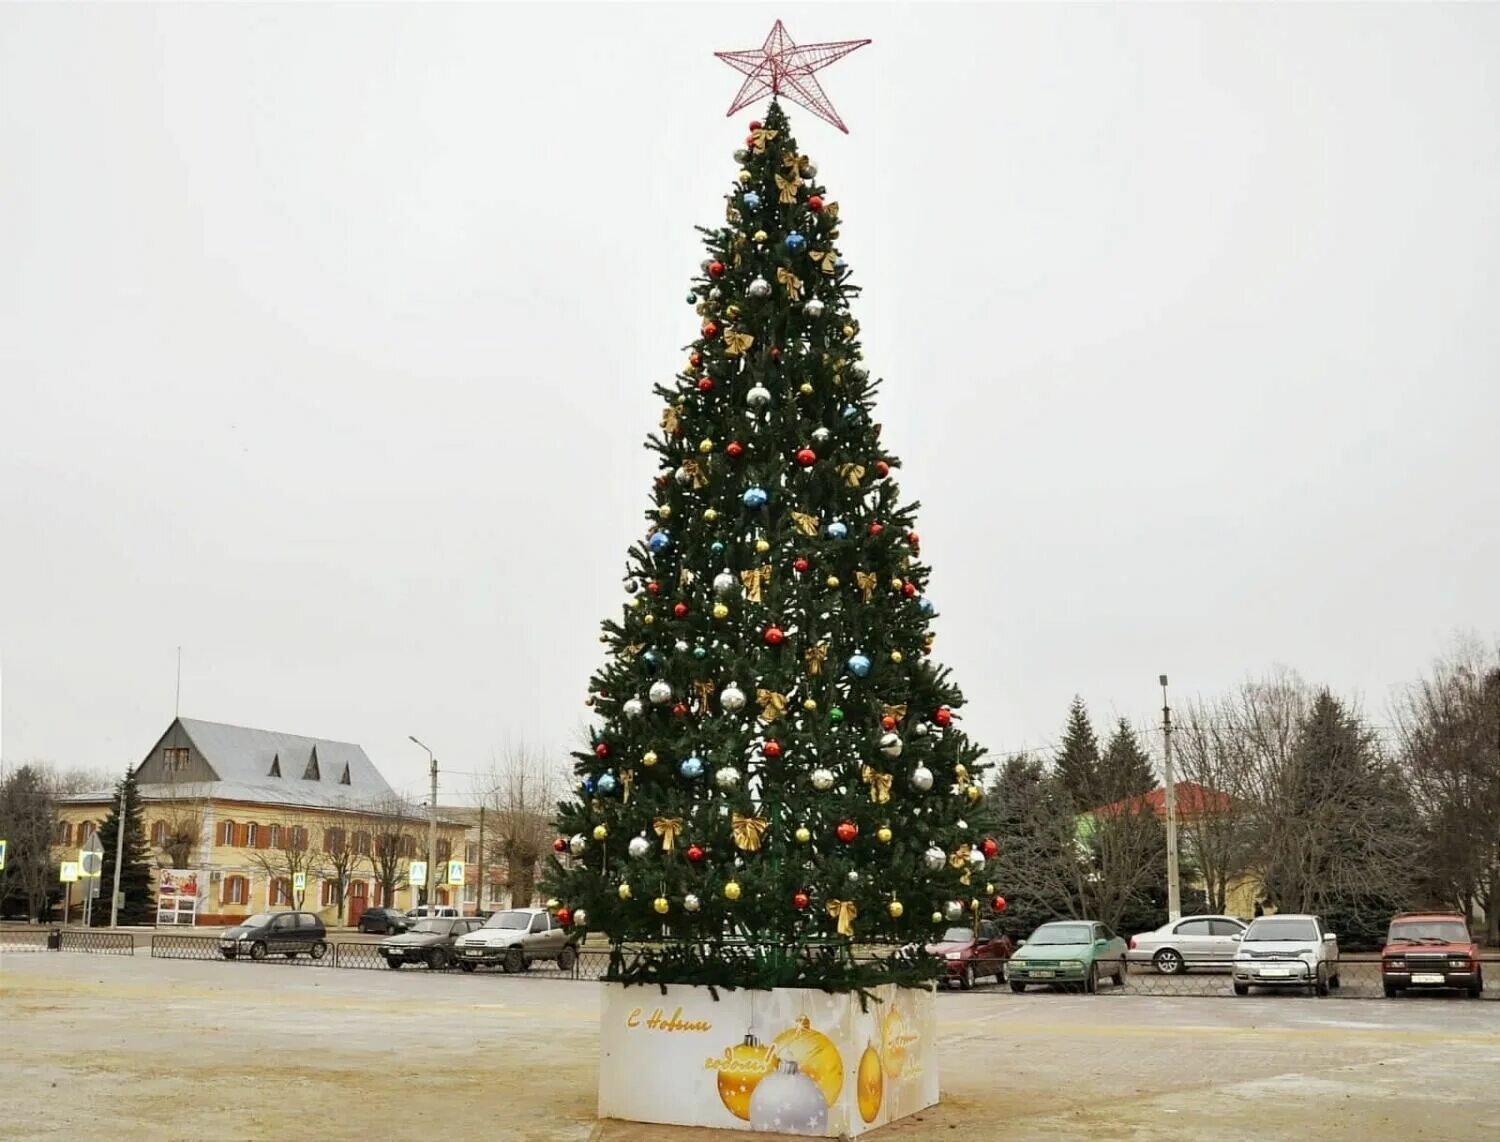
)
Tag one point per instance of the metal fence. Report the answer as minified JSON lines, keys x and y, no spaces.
{"x":98,"y":943}
{"x":23,"y":940}
{"x":171,"y":946}
{"x":174,"y":946}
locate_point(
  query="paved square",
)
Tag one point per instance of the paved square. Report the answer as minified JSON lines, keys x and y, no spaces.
{"x":135,"y":1048}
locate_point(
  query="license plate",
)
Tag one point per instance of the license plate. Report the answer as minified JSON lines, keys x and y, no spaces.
{"x":1276,"y":973}
{"x":1041,"y":974}
{"x":473,"y":953}
{"x":1427,"y":977}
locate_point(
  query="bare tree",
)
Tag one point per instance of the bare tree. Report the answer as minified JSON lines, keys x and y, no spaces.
{"x":1219,"y":834}
{"x":182,"y":810}
{"x":391,"y":827}
{"x":519,"y":792}
{"x":343,"y":858}
{"x":290,"y":855}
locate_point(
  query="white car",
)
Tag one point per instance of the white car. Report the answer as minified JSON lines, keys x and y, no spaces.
{"x":1192,"y":942}
{"x":1287,"y":950}
{"x":513,"y":939}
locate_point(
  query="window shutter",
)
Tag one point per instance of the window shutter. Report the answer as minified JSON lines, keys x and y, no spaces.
{"x":241,"y":836}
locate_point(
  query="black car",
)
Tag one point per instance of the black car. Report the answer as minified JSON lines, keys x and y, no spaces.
{"x":429,"y":942}
{"x":386,"y":921}
{"x":286,"y":934}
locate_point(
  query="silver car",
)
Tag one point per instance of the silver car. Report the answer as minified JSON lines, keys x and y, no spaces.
{"x":1201,"y":942}
{"x":514,"y":939}
{"x":1287,"y":950}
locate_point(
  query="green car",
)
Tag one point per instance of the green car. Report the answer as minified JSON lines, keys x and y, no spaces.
{"x":1068,"y":951}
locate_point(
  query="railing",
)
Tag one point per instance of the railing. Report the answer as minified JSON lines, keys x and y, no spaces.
{"x":97,"y":943}
{"x":23,"y":940}
{"x":170,"y":946}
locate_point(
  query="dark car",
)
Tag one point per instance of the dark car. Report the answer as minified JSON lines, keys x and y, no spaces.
{"x":288,"y":934}
{"x":386,"y":921}
{"x":968,"y":954}
{"x":429,"y":942}
{"x":1430,"y":951}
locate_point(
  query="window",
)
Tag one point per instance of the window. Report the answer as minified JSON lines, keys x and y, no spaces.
{"x":274,"y":840}
{"x":408,"y":846}
{"x":362,"y":844}
{"x":539,"y":922}
{"x":495,"y":892}
{"x":275,"y":766}
{"x":311,"y":772}
{"x":344,"y":780}
{"x":359,"y":890}
{"x":174,"y":760}
{"x":298,"y":839}
{"x":226,"y":832}
{"x":306,"y":920}
{"x":252,"y":836}
{"x":1194,"y":928}
{"x":1225,"y":928}
{"x":330,"y":893}
{"x":159,"y":834}
{"x":281,"y":891}
{"x":471,"y":894}
{"x":471,"y":853}
{"x":333,"y":840}
{"x":444,"y":852}
{"x":377,"y":898}
{"x":236,"y":890}
{"x":86,"y":829}
{"x":64,"y":833}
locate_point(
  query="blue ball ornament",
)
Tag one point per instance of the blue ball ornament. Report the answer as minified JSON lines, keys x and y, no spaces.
{"x":716,"y":547}
{"x":692,"y":299}
{"x":659,"y":541}
{"x":859,"y":665}
{"x":752,"y":200}
{"x":700,"y":652}
{"x":651,"y":659}
{"x":691,"y":768}
{"x":606,"y":784}
{"x":795,"y":242}
{"x":755,"y":497}
{"x":851,"y":411}
{"x":838,"y":529}
{"x":925,"y":604}
{"x":839,"y":263}
{"x":588,"y":785}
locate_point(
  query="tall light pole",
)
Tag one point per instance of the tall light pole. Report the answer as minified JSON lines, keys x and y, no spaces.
{"x":1174,"y":886}
{"x":431,"y":829}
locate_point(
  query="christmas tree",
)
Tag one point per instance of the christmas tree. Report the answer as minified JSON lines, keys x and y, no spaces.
{"x":778,"y":776}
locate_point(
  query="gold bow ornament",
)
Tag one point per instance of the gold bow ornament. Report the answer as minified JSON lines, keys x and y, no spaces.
{"x":669,"y":418}
{"x":792,"y":282}
{"x":896,"y":712}
{"x":731,"y":215}
{"x":959,"y":858}
{"x":824,"y":258}
{"x":754,"y":581}
{"x":748,"y":831}
{"x":866,"y":581}
{"x":853,"y":473}
{"x":627,"y":779}
{"x":667,"y":829}
{"x":879,"y":783}
{"x":814,"y":657}
{"x":759,"y":138}
{"x":704,"y":689}
{"x":736,"y":342}
{"x":772,"y":705}
{"x":788,"y":189}
{"x":845,"y":911}
{"x":806,"y":524}
{"x":695,"y":473}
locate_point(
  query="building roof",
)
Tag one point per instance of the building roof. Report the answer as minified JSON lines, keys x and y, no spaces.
{"x":1192,"y":800}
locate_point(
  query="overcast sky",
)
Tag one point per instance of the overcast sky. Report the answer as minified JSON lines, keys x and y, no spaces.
{"x":327,"y":338}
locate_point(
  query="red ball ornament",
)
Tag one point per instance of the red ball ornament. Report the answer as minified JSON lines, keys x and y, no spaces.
{"x":882,"y":469}
{"x":560,"y":845}
{"x":695,"y":854}
{"x":601,"y":750}
{"x":909,"y":590}
{"x":706,"y":385}
{"x":989,"y":848}
{"x":806,"y":457}
{"x":772,"y":749}
{"x":710,"y":329}
{"x":943,"y":716}
{"x":847,"y":831}
{"x":888,"y":723}
{"x":775,"y":636}
{"x":775,"y":353}
{"x":680,"y":710}
{"x":564,"y":917}
{"x":716,"y":269}
{"x":876,"y":528}
{"x":734,"y":449}
{"x":914,"y":539}
{"x":662,"y":481}
{"x":800,"y":901}
{"x":755,"y":124}
{"x":800,"y":566}
{"x":696,"y":359}
{"x":680,"y":610}
{"x":998,"y":904}
{"x":814,"y":202}
{"x":654,"y":587}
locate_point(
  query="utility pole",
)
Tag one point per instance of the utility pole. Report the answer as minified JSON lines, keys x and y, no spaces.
{"x":431,"y":829}
{"x":1174,"y":887}
{"x":114,"y":896}
{"x":481,"y":873}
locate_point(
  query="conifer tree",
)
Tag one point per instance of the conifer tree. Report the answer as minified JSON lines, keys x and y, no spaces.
{"x":1077,"y":763}
{"x":135,"y":868}
{"x":778,"y":769}
{"x":1124,"y":770}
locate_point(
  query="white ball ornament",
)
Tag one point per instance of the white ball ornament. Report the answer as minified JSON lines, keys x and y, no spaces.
{"x":690,"y":903}
{"x":581,"y":918}
{"x":725,"y":584}
{"x":732,"y":698}
{"x":758,"y":398}
{"x":813,"y":308}
{"x":891,"y":745}
{"x":935,"y":858}
{"x":639,"y":847}
{"x":954,"y":910}
{"x":788,"y":1102}
{"x":660,"y":692}
{"x":577,"y":844}
{"x":821,"y":436}
{"x":759,"y":287}
{"x":921,"y":778}
{"x":822,"y":779}
{"x":727,"y":778}
{"x":976,"y":858}
{"x":633,"y":707}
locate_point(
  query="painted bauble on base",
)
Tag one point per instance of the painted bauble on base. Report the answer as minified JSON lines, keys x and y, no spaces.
{"x":788,"y":1102}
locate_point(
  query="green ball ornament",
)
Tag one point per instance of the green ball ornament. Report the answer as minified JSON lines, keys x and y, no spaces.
{"x":700,"y":652}
{"x":836,"y":715}
{"x":716,"y":547}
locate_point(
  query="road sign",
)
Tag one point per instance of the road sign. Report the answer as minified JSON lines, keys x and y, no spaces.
{"x":416,"y":872}
{"x":299,"y":882}
{"x":90,"y":862}
{"x":455,"y":872}
{"x":67,"y":872}
{"x":2,"y":854}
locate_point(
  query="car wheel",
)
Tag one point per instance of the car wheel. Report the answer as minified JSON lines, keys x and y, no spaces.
{"x":566,"y":959}
{"x":1335,"y":982}
{"x":1091,"y":981}
{"x":318,"y":950}
{"x":1169,"y":961}
{"x":1242,"y":989}
{"x":1391,"y":991}
{"x":515,"y":960}
{"x":1017,"y":987}
{"x":227,"y":955}
{"x":468,"y":967}
{"x":1119,"y":976}
{"x":1320,"y":984}
{"x":966,"y":977}
{"x":257,"y":951}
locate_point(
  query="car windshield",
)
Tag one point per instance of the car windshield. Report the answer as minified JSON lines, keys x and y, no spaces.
{"x":1061,"y":934}
{"x":1428,"y":932}
{"x":957,"y":935}
{"x":259,"y":920}
{"x":509,"y":920}
{"x":440,"y":927}
{"x":1278,"y":928}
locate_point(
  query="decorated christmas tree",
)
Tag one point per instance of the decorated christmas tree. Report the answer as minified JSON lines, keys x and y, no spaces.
{"x":778,"y":780}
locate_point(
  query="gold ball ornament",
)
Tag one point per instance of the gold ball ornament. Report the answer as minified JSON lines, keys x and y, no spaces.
{"x":896,"y":584}
{"x":937,"y":917}
{"x":709,"y":515}
{"x":810,"y":705}
{"x":870,"y":1083}
{"x":744,"y":177}
{"x":648,"y":759}
{"x":600,"y":832}
{"x":705,"y":446}
{"x":721,"y":611}
{"x":624,"y":891}
{"x":740,"y":1072}
{"x":897,"y":657}
{"x":848,"y":331}
{"x":759,"y":235}
{"x":664,"y":512}
{"x":731,"y":311}
{"x":805,"y":388}
{"x":973,"y":793}
{"x":649,"y":620}
{"x":816,"y":1056}
{"x":762,"y":546}
{"x":634,"y":605}
{"x":661,"y":905}
{"x":896,"y":1037}
{"x":883,"y":834}
{"x":832,"y":582}
{"x":803,"y":834}
{"x":732,"y":890}
{"x":895,"y":909}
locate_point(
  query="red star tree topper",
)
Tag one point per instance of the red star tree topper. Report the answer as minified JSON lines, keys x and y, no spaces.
{"x":780,"y":67}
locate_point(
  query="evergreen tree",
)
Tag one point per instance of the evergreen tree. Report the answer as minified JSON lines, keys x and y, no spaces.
{"x":135,"y":868}
{"x":29,"y":825}
{"x":1124,"y":770}
{"x":1077,"y":763}
{"x":778,"y":760}
{"x":1038,"y":857}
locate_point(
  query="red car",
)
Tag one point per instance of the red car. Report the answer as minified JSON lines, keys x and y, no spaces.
{"x":967,"y":954}
{"x":1428,"y":951}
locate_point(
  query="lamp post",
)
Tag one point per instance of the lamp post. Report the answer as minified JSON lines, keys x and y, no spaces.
{"x":1174,"y":887}
{"x":431,"y":828}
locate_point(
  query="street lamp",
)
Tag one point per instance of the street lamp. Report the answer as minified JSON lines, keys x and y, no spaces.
{"x":1174,"y":887}
{"x":431,"y":826}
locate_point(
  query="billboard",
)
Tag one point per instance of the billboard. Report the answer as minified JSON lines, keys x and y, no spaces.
{"x":178,"y":891}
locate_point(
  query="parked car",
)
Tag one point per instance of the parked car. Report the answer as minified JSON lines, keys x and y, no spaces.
{"x":1068,"y":951}
{"x":1192,"y":942}
{"x":288,"y":934}
{"x":968,"y":954}
{"x":386,"y":921}
{"x":513,"y":939}
{"x":1287,"y":950}
{"x":429,"y":942}
{"x":1431,"y":950}
{"x":430,"y":911}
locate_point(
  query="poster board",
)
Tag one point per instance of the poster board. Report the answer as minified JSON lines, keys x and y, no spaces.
{"x":178,"y":892}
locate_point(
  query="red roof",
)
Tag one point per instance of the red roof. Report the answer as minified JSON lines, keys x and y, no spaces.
{"x":1192,"y":800}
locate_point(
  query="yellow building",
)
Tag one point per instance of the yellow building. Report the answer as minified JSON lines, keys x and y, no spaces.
{"x":243,"y":820}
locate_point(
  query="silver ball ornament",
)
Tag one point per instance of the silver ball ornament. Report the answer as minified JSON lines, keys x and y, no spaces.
{"x":954,"y":910}
{"x":976,"y":858}
{"x":853,"y":876}
{"x":690,"y":903}
{"x":813,"y":308}
{"x":638,"y":847}
{"x":891,"y":745}
{"x":660,"y":692}
{"x":715,"y":294}
{"x":725,"y":584}
{"x":577,"y":844}
{"x":921,"y":778}
{"x":822,"y":779}
{"x":683,"y":477}
{"x":758,"y":398}
{"x":821,"y":436}
{"x":633,"y":708}
{"x":922,"y":729}
{"x":727,"y":778}
{"x":759,"y":287}
{"x":632,"y":585}
{"x":742,"y":156}
{"x":935,"y":858}
{"x":580,"y":918}
{"x":732,"y":698}
{"x":809,"y":170}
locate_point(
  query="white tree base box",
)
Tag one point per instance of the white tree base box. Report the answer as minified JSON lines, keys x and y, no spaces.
{"x":788,"y":1061}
